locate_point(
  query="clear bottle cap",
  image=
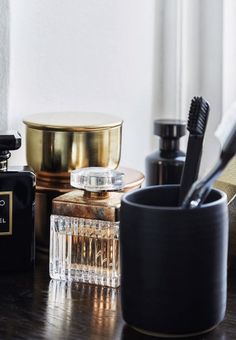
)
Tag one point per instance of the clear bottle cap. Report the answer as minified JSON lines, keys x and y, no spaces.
{"x":97,"y":179}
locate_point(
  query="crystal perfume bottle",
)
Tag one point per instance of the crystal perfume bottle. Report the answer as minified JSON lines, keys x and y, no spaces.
{"x":17,"y":192}
{"x":84,"y":231}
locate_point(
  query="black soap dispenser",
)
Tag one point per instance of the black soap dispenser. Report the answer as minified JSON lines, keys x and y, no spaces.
{"x":164,"y":166}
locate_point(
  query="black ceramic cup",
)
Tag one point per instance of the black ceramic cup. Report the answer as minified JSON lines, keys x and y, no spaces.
{"x":173,"y":262}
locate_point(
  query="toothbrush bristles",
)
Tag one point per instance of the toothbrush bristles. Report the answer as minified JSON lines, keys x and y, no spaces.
{"x":198,"y":115}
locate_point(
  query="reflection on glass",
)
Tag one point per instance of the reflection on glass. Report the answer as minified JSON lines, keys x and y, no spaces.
{"x":59,"y":309}
{"x":85,"y":310}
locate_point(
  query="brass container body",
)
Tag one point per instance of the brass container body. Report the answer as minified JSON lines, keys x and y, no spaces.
{"x":62,"y":151}
{"x":79,"y":140}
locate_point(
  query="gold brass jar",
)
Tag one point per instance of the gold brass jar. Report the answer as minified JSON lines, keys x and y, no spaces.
{"x":60,"y":142}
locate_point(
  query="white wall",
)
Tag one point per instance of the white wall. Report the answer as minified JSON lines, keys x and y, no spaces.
{"x":229,"y":53}
{"x":85,"y":56}
{"x":4,"y":62}
{"x":136,"y":59}
{"x":189,"y":62}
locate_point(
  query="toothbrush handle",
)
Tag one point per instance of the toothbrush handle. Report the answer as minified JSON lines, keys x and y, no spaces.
{"x":197,"y":195}
{"x":200,"y":189}
{"x":191,"y":166}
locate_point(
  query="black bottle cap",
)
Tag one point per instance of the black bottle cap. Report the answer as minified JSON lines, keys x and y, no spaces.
{"x":169,"y":128}
{"x":9,"y":140}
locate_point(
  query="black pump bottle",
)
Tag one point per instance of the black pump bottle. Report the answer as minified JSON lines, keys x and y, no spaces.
{"x":165,"y":165}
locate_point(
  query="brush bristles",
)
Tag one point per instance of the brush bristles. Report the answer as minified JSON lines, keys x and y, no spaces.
{"x":198,"y":114}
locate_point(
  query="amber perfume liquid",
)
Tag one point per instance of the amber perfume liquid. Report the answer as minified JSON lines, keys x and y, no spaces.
{"x":84,"y":230}
{"x":85,"y":250}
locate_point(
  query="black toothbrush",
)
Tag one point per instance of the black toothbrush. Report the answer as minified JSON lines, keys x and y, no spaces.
{"x":197,"y":121}
{"x":226,"y":133}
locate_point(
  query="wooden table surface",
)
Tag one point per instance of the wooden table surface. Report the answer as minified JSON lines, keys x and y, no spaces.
{"x":34,"y":307}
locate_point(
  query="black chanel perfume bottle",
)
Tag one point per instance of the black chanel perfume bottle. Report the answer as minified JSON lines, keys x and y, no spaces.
{"x":17,"y":192}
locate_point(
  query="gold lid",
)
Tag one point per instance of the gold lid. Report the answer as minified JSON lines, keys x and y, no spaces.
{"x":72,"y":121}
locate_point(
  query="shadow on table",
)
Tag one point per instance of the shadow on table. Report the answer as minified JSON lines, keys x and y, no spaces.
{"x":128,"y":333}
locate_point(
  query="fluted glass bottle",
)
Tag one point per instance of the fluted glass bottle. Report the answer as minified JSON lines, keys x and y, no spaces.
{"x":84,"y":232}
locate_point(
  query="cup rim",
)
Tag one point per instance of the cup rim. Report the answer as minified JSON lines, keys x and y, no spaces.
{"x":125,"y":199}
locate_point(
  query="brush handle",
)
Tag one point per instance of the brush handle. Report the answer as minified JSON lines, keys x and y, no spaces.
{"x":191,"y":166}
{"x":200,"y":189}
